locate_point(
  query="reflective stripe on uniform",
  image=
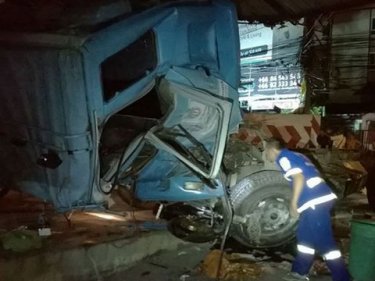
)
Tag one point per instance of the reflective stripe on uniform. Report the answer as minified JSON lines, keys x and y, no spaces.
{"x":292,"y":172}
{"x":332,"y":255}
{"x":312,"y":182}
{"x":306,"y":250}
{"x":285,"y":163}
{"x":316,"y":201}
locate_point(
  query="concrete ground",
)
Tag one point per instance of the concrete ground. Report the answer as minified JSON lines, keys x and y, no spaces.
{"x":184,"y":265}
{"x":80,"y":244}
{"x":133,"y":247}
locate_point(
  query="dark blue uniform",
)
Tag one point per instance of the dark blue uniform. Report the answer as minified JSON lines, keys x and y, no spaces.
{"x":314,"y":233}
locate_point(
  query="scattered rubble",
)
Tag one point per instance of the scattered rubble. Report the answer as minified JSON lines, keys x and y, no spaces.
{"x":233,"y":267}
{"x":21,"y":240}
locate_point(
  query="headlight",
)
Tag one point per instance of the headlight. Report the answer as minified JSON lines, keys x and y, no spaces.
{"x":190,"y":185}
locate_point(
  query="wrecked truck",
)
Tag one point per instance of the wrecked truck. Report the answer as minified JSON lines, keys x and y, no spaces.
{"x":147,"y":102}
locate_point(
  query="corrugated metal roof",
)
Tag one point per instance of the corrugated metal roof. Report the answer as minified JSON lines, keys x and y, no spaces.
{"x":273,"y":11}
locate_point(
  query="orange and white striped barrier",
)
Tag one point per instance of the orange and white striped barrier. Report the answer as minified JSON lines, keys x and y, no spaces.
{"x":296,"y":130}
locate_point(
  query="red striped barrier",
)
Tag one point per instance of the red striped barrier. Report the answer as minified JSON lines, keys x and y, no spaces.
{"x":296,"y":130}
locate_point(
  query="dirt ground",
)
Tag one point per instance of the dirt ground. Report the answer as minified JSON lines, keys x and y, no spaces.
{"x":186,"y":265}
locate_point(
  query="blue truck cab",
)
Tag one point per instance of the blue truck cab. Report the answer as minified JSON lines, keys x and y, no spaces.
{"x":141,"y":102}
{"x":145,"y":100}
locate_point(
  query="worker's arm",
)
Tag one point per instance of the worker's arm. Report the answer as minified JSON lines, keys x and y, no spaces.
{"x":298,"y":181}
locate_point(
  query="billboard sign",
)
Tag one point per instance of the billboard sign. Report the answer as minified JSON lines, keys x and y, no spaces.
{"x":255,"y":43}
{"x":269,"y":87}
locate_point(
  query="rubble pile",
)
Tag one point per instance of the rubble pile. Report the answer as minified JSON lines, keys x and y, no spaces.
{"x":233,"y":267}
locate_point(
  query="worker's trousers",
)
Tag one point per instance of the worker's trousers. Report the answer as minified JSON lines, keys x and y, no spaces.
{"x":315,"y":235}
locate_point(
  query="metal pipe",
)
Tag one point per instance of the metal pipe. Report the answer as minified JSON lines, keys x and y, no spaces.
{"x":229,"y":210}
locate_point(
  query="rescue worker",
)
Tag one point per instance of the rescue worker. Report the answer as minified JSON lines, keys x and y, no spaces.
{"x":311,"y":202}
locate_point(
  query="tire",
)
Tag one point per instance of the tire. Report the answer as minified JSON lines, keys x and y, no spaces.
{"x":263,"y":198}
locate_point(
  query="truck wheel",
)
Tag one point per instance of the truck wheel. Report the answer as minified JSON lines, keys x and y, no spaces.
{"x":261,"y":201}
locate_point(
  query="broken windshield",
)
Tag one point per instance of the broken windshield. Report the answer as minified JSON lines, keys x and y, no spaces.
{"x":196,"y":127}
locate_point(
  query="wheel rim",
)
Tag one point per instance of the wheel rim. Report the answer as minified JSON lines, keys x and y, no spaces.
{"x":261,"y":203}
{"x":274,"y":215}
{"x":268,"y":221}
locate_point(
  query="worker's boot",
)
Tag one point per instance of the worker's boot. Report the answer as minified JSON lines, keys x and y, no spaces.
{"x":294,"y":276}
